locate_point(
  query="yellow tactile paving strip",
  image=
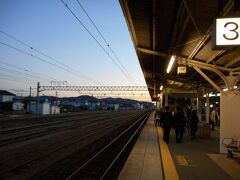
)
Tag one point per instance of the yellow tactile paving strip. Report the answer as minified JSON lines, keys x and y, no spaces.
{"x":170,"y":171}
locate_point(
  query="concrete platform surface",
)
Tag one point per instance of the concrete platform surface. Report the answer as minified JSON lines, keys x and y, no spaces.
{"x":151,"y":158}
{"x":144,"y":162}
{"x":230,"y":166}
{"x":191,"y":157}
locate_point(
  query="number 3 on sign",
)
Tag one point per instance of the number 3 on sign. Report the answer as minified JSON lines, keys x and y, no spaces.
{"x":231,"y":30}
{"x":227,"y":31}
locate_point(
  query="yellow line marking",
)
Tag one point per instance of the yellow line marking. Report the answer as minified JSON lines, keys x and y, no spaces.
{"x":182,"y":161}
{"x":169,"y":168}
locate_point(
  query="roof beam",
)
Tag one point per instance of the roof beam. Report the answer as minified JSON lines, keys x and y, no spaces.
{"x":232,"y":62}
{"x":154,"y":30}
{"x":206,"y":38}
{"x":154,"y":25}
{"x":176,"y":26}
{"x":176,"y":79}
{"x":128,"y":17}
{"x":207,"y":78}
{"x":183,"y":60}
{"x":152,"y":52}
{"x":183,"y":81}
{"x":218,"y":53}
{"x":206,"y":65}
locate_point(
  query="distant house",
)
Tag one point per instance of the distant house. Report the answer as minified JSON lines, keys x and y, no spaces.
{"x":18,"y":106}
{"x":6,"y":96}
{"x":43,"y":108}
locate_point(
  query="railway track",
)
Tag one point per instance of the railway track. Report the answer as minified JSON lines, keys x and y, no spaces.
{"x":14,"y":123}
{"x":11,"y":136}
{"x":107,"y":163}
{"x":19,"y":134}
{"x":86,"y":131}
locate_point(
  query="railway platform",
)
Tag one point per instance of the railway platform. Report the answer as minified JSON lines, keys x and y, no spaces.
{"x":152,"y":158}
{"x":144,"y":160}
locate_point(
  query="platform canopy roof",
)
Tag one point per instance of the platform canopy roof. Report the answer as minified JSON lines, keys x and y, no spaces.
{"x":162,"y":28}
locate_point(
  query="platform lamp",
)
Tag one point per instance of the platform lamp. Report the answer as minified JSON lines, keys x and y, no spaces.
{"x":160,"y":96}
{"x":172,"y":60}
{"x":161,"y":87}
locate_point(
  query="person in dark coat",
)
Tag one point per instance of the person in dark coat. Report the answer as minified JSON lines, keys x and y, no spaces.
{"x":193,"y":124}
{"x":167,"y":121}
{"x":189,"y":112}
{"x":179,"y":124}
{"x":158,"y":117}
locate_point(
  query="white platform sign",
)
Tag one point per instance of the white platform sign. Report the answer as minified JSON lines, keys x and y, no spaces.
{"x":227,"y":31}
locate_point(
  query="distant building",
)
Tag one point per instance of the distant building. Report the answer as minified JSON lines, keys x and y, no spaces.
{"x":138,"y":106}
{"x":6,"y":96}
{"x":44,"y":108}
{"x":18,"y":106}
{"x":113,"y":107}
{"x":54,"y":109}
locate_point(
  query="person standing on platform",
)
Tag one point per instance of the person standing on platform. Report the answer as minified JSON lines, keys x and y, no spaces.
{"x":214,"y":118}
{"x":193,"y":124}
{"x":157,"y":117}
{"x":218,"y":120}
{"x":167,"y":121}
{"x":189,"y":112}
{"x":180,"y":124}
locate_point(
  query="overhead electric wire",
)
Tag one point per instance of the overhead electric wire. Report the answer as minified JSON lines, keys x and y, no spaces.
{"x":21,"y":42}
{"x":63,"y":66}
{"x":70,"y":10}
{"x":43,"y":60}
{"x":42,"y":75}
{"x":20,"y":73}
{"x":25,"y":81}
{"x":104,"y":39}
{"x":16,"y":79}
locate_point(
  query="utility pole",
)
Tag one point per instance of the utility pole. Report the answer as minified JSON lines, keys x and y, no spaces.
{"x":56,"y":103}
{"x":37,"y":105}
{"x":30,"y":97}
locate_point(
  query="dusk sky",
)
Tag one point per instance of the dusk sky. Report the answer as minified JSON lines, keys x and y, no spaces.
{"x":49,"y":27}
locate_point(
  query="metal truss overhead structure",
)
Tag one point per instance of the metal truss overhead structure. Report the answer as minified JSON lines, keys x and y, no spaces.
{"x":92,"y":88}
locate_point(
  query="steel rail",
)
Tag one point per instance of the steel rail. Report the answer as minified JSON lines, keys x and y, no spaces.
{"x":130,"y":139}
{"x":76,"y":172}
{"x":47,"y":130}
{"x":84,"y":135}
{"x":53,"y":122}
{"x":42,"y":132}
